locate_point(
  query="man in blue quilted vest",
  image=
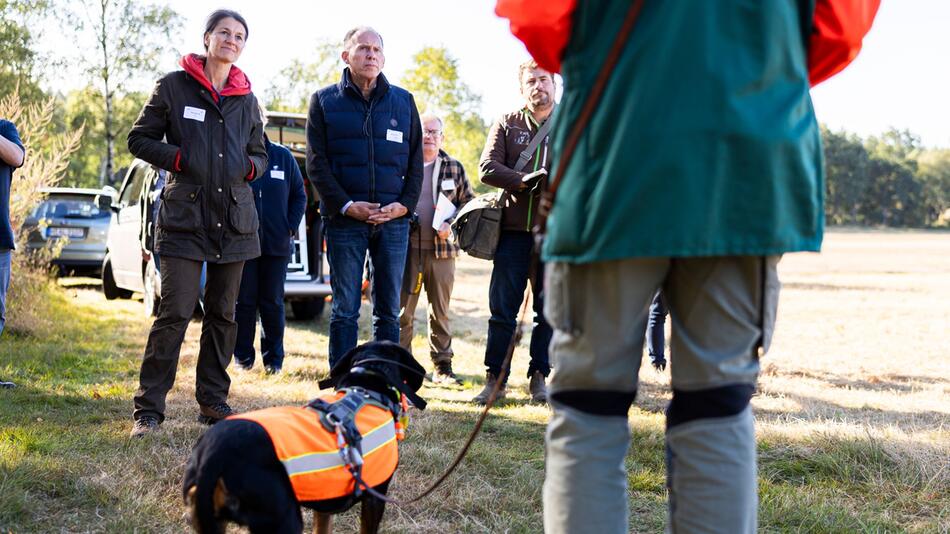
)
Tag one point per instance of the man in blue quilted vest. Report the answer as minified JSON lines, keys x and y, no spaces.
{"x":364,"y":154}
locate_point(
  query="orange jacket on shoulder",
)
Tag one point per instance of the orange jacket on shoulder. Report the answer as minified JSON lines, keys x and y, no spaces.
{"x":839,"y":26}
{"x":310,"y":454}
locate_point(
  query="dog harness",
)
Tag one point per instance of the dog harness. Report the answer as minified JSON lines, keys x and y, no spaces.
{"x":335,"y":441}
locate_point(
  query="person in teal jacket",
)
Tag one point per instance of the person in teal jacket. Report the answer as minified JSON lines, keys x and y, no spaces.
{"x":700,"y":166}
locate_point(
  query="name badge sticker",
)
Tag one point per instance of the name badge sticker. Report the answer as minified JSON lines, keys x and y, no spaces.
{"x":394,"y":136}
{"x":279,"y":175}
{"x":195,"y":114}
{"x":448,"y":185}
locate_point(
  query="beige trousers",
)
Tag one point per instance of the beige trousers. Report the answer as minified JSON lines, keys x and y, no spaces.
{"x":437,"y":280}
{"x":722,"y":314}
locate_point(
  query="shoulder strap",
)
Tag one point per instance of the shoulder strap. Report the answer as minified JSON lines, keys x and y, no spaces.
{"x":535,"y":141}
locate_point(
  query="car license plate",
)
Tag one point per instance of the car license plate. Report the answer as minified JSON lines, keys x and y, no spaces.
{"x":62,"y":231}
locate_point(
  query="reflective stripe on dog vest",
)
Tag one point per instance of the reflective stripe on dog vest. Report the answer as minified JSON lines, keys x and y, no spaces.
{"x":317,"y":461}
{"x":310,"y":454}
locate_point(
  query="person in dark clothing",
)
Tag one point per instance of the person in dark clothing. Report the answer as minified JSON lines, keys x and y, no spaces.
{"x":364,"y":154}
{"x":656,"y":337}
{"x":280,"y":200}
{"x":203,"y":125}
{"x":508,"y":138}
{"x":12,"y":155}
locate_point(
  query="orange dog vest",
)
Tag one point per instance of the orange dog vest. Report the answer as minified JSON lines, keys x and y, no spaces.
{"x":310,"y":453}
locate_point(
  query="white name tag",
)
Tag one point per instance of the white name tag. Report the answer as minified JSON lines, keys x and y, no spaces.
{"x":394,"y":136}
{"x":448,"y":185}
{"x":277,"y":174}
{"x":195,"y":114}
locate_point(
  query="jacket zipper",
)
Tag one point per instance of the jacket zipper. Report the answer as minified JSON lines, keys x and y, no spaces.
{"x":372,"y":156}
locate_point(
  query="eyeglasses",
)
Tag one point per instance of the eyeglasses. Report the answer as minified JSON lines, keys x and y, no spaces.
{"x":432,"y":133}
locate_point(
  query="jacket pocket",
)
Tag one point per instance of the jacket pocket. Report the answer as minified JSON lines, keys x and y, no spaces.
{"x":242,"y":214}
{"x":180,"y":210}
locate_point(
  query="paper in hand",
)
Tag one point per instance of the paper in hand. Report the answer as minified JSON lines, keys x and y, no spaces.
{"x":536,"y":175}
{"x":443,"y":210}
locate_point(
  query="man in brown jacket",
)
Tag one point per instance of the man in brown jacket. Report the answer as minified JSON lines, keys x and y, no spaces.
{"x":432,"y":249}
{"x":508,"y":138}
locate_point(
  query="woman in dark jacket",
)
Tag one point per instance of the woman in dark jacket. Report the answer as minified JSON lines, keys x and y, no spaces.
{"x":203,"y":125}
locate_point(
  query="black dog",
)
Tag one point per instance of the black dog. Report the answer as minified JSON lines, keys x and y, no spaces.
{"x":236,"y":474}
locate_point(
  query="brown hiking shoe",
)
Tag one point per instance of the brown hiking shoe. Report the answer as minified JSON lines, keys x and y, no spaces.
{"x":490,"y":380}
{"x":537,"y":388}
{"x":147,"y":424}
{"x":443,"y":374}
{"x":210,"y":415}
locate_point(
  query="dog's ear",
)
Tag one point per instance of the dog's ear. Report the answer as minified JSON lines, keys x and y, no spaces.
{"x":410,"y":372}
{"x":413,"y":373}
{"x":340,"y":369}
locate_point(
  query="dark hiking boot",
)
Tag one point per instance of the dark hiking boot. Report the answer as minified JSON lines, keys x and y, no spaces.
{"x":7,"y":385}
{"x":272,"y":369}
{"x":147,"y":424}
{"x":490,"y":380}
{"x":210,"y":415}
{"x":537,"y":388}
{"x":443,"y":374}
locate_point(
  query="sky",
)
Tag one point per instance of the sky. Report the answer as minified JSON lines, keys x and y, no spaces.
{"x":901,"y":79}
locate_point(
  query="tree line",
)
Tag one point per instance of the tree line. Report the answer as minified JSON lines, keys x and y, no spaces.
{"x":886,"y":180}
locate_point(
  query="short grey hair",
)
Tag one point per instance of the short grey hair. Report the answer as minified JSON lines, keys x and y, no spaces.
{"x":432,"y":116}
{"x":350,"y":38}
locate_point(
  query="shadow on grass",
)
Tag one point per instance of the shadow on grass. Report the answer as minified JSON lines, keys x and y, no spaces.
{"x":814,"y":286}
{"x":885,"y":382}
{"x":821,"y":410}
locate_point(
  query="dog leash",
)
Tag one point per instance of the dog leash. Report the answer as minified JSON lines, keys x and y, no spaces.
{"x":547,"y":201}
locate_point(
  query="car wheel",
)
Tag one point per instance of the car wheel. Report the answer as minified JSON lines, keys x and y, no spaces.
{"x":152,"y":295}
{"x":109,"y":288}
{"x":305,"y":310}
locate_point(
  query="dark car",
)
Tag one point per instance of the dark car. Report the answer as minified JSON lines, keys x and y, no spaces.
{"x":129,"y":266}
{"x":81,"y":217}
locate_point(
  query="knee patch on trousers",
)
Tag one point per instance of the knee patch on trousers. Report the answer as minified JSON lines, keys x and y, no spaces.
{"x":594,"y":402}
{"x":723,"y":401}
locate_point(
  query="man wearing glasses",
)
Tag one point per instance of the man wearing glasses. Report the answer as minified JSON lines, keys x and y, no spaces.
{"x":432,"y":249}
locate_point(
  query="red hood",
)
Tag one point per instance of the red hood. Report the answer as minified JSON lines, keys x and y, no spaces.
{"x":237,"y":83}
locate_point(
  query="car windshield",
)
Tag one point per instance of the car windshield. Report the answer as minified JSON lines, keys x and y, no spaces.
{"x":70,"y":207}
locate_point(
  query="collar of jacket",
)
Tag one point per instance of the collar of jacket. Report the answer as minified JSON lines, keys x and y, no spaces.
{"x":236,"y":85}
{"x":382,"y":85}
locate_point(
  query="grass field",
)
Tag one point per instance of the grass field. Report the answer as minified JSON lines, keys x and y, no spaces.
{"x":853,"y":410}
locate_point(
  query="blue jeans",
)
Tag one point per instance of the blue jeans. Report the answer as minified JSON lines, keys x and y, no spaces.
{"x":509,"y":278}
{"x":5,"y":259}
{"x":348,"y":240}
{"x":656,"y":337}
{"x":262,"y":289}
